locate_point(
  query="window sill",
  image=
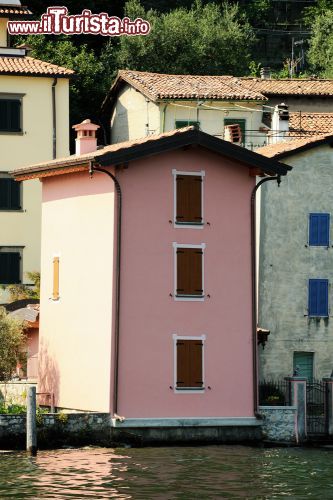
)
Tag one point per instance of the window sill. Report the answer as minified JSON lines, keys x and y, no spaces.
{"x":12,"y":210}
{"x":11,"y":132}
{"x":189,"y":390}
{"x":316,"y":316}
{"x":189,"y":225}
{"x":194,"y":298}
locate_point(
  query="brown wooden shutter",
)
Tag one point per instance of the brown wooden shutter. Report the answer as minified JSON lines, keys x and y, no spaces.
{"x":189,"y":271}
{"x":196,"y":363}
{"x":189,"y":199}
{"x":189,"y":364}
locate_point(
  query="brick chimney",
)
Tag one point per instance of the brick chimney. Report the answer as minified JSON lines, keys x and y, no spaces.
{"x":86,"y":141}
{"x":233,"y":133}
{"x":265,"y":73}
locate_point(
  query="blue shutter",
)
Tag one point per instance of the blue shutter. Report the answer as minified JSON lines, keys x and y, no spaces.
{"x":318,"y":297}
{"x":319,"y":225}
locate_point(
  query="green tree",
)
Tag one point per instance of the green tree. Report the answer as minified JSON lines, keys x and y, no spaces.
{"x":206,"y":39}
{"x":12,"y":345}
{"x":320,"y":54}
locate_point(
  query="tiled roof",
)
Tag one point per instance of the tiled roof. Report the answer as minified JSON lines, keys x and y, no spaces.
{"x":301,"y":123}
{"x":11,"y":10}
{"x":31,"y":66}
{"x":289,"y":86}
{"x":285,"y":148}
{"x":158,"y":86}
{"x":112,"y":153}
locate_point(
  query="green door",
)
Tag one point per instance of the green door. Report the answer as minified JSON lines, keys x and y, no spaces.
{"x":304,"y":362}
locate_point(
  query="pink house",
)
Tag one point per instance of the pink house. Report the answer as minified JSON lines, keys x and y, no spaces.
{"x":147,"y":292}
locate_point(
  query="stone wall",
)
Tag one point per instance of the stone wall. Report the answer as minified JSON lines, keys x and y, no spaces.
{"x":279,"y":424}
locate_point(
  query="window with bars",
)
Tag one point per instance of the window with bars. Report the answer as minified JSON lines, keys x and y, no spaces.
{"x":10,"y":115}
{"x":189,"y":364}
{"x":189,"y":272}
{"x":189,"y":194}
{"x":10,"y":193}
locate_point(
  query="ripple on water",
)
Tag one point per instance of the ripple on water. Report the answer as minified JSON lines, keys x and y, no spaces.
{"x":169,"y":473}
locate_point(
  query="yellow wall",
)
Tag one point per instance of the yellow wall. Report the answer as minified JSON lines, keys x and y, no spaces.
{"x":3,"y":32}
{"x":33,"y":145}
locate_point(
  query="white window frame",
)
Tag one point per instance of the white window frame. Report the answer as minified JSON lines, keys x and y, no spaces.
{"x":193,"y":298}
{"x":176,"y":390}
{"x":199,"y":173}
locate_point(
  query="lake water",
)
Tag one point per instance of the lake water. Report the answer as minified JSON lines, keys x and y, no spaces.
{"x":169,"y":473}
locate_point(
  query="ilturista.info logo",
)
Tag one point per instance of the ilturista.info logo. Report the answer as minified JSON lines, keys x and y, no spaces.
{"x":57,"y":21}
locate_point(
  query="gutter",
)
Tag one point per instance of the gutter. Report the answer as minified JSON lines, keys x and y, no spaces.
{"x":54,"y":120}
{"x":254,"y":289}
{"x":93,"y":168}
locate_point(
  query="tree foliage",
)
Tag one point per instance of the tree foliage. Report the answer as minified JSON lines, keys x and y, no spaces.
{"x":320,"y":54}
{"x":12,"y":345}
{"x":18,"y":292}
{"x":205,"y":39}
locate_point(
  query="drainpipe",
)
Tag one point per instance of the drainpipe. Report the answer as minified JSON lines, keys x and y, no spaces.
{"x":254,"y":288}
{"x":93,"y":168}
{"x":54,"y":118}
{"x":163,"y":118}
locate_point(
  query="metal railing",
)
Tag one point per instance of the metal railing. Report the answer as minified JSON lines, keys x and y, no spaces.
{"x":274,"y":393}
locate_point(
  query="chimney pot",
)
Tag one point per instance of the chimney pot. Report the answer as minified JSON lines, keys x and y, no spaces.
{"x":265,"y":73}
{"x":86,"y":141}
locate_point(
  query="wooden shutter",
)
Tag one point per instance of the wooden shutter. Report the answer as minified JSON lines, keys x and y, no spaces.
{"x":15,"y":195}
{"x":319,"y":229}
{"x":189,"y":209}
{"x":4,"y":193}
{"x":55,"y":294}
{"x":189,"y":271}
{"x":318,"y":297}
{"x":10,"y":268}
{"x":189,"y":364}
{"x":10,"y":194}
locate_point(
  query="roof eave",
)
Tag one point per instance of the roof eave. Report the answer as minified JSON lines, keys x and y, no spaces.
{"x":306,"y":147}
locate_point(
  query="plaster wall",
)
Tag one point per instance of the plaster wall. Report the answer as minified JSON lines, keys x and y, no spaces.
{"x":3,"y":32}
{"x":33,"y":145}
{"x":150,"y":316}
{"x":303,"y":103}
{"x":76,"y":330}
{"x":134,"y":117}
{"x":287,"y":263}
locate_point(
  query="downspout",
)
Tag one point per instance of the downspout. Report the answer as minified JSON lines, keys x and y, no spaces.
{"x":163,"y":118}
{"x":93,"y":168}
{"x":254,"y":288}
{"x":54,"y":119}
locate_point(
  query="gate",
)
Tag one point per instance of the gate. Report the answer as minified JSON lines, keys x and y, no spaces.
{"x":316,"y":408}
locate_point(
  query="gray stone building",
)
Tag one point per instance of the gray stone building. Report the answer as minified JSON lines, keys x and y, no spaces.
{"x":296,"y":261}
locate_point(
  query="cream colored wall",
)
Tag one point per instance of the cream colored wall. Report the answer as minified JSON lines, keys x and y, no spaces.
{"x":3,"y":32}
{"x":76,"y":330}
{"x":133,"y":117}
{"x":33,"y":145}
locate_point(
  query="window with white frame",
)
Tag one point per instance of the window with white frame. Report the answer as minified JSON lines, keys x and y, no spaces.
{"x":188,"y":198}
{"x":188,"y":363}
{"x":189,"y":271}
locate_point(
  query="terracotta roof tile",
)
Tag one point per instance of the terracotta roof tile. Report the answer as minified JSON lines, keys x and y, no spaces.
{"x":301,"y":123}
{"x":289,"y":86}
{"x":163,"y":86}
{"x":85,"y":158}
{"x":11,"y":10}
{"x":31,"y":66}
{"x":285,"y":147}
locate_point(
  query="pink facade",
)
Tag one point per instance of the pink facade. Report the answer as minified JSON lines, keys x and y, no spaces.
{"x":78,"y":330}
{"x":150,"y":317}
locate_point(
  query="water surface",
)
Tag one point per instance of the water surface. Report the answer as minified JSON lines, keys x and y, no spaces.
{"x":169,"y":473}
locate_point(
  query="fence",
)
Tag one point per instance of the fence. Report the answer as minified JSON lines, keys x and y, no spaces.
{"x":274,"y":393}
